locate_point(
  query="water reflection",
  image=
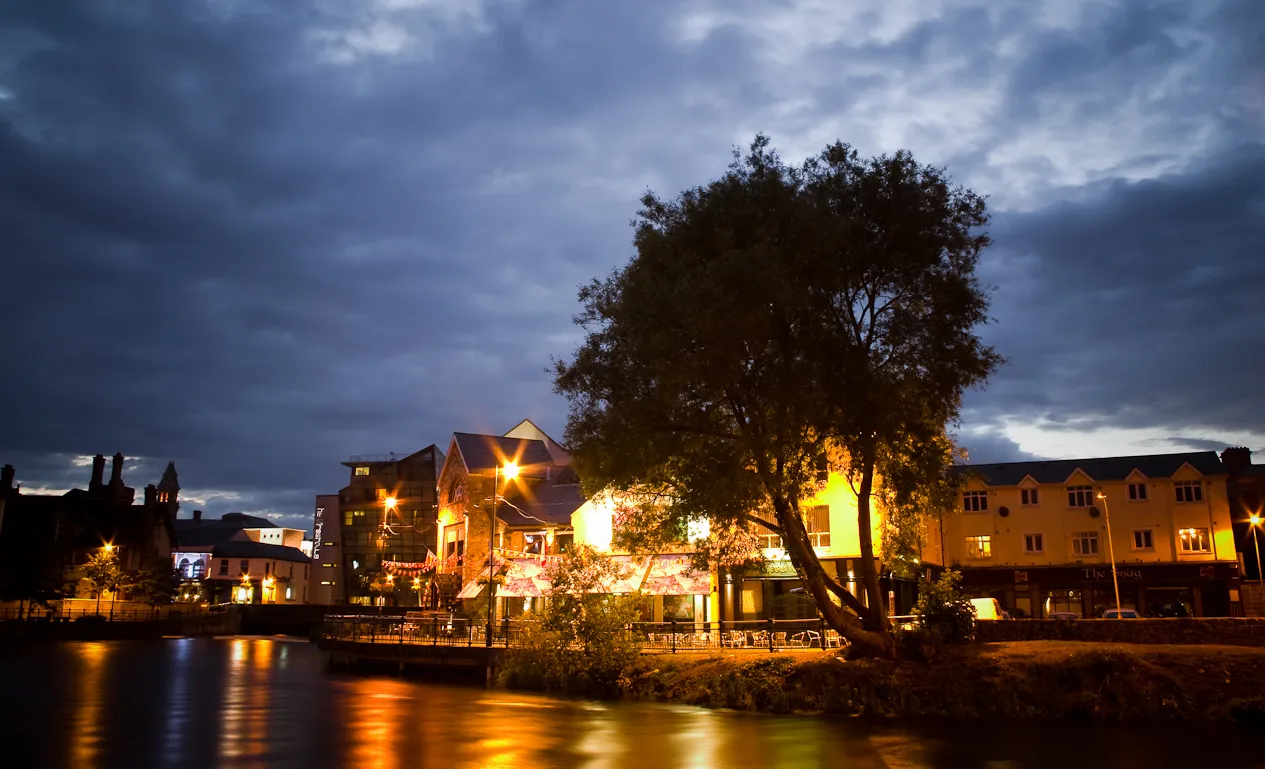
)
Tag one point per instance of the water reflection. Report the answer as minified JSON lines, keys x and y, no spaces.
{"x":250,"y":702}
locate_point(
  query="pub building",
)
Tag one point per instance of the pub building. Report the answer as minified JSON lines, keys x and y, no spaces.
{"x":1034,"y":535}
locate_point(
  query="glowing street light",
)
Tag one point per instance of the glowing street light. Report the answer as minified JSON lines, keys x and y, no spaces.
{"x":1111,"y":549}
{"x":391,"y":502}
{"x":1255,"y":520}
{"x":109,"y":548}
{"x":510,"y":472}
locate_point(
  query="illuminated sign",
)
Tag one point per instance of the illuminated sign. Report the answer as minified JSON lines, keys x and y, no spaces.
{"x":317,"y":530}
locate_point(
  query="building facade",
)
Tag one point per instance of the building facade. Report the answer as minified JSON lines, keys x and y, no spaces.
{"x":386,"y":515}
{"x":328,"y":587}
{"x":1034,"y":535}
{"x":240,"y":558}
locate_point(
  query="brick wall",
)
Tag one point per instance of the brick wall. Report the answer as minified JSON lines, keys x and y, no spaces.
{"x":1234,"y":631}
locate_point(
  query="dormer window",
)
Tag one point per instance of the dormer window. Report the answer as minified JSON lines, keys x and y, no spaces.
{"x":1189,"y":491}
{"x":975,"y":501}
{"x":1029,"y":497}
{"x":1080,"y":496}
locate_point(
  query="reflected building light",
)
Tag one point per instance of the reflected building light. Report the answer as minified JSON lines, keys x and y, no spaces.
{"x":89,"y":711}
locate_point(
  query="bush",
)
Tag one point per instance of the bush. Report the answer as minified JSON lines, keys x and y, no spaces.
{"x":582,"y":642}
{"x":943,"y":612}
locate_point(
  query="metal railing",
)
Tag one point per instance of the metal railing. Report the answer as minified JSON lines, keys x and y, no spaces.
{"x":39,"y":614}
{"x":653,"y":637}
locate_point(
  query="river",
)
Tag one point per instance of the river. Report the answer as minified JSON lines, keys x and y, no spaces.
{"x":267,"y":702}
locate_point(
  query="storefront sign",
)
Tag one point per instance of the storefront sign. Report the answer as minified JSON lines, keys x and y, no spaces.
{"x":783,"y":569}
{"x":1102,"y":575}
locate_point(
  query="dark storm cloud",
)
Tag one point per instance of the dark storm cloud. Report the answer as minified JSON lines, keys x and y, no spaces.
{"x":256,"y":240}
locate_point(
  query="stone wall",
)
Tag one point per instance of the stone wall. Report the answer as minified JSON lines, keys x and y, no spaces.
{"x":1234,"y":631}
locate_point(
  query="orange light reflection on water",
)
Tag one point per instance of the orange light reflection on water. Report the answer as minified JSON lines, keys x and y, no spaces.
{"x":87,"y":730}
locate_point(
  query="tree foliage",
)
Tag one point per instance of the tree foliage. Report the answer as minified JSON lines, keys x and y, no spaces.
{"x":582,"y":640}
{"x":780,"y":321}
{"x":943,"y":611}
{"x":154,"y":585}
{"x":103,"y":573}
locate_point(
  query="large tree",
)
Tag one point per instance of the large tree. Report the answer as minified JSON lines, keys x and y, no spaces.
{"x":776,"y":323}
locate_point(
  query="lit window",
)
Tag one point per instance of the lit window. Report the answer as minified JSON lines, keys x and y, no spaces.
{"x":1137,"y":492}
{"x":979,"y":547}
{"x":975,"y":501}
{"x":327,"y":566}
{"x":1034,"y":543}
{"x":1194,"y":540}
{"x":1142,"y":540}
{"x":381,"y":493}
{"x":1189,"y":491}
{"x":1028,"y":497}
{"x":362,"y":470}
{"x":817,"y":520}
{"x":1085,"y":543}
{"x":1080,"y":496}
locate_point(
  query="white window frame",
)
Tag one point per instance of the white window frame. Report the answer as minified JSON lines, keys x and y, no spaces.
{"x":1194,"y":489}
{"x":1079,"y":537}
{"x":1140,"y":490}
{"x":1186,"y":540}
{"x":975,"y":501}
{"x":979,"y":543}
{"x":1028,"y":539}
{"x":1150,"y":536}
{"x":1029,"y":496}
{"x":1078,"y":494}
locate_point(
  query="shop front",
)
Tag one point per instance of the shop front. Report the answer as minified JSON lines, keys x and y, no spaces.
{"x":1154,"y":590}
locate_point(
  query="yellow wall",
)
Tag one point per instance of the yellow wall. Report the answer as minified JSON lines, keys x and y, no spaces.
{"x":1056,"y":521}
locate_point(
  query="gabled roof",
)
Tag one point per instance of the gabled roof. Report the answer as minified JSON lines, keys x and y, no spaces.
{"x":1057,"y":471}
{"x":249,"y":548}
{"x":231,"y":521}
{"x":539,"y":503}
{"x":482,"y":453}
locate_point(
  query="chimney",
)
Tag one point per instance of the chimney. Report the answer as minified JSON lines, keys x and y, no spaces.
{"x":116,"y":472}
{"x":1235,"y":458}
{"x":98,"y":473}
{"x":197,"y":516}
{"x":6,"y":477}
{"x":151,"y":495}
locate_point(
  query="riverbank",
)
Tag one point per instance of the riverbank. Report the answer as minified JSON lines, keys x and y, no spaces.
{"x":1038,"y":679}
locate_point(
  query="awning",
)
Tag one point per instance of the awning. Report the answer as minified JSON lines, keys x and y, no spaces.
{"x":473,"y":587}
{"x":527,"y":578}
{"x":675,"y":575}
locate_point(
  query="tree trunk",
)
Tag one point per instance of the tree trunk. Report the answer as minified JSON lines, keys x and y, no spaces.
{"x":795,"y":538}
{"x":876,"y":619}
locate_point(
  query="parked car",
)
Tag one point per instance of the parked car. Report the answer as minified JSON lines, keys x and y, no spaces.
{"x":1121,"y":614}
{"x":1064,"y":615}
{"x":1169,"y":610}
{"x":1006,"y":615}
{"x":987,"y":608}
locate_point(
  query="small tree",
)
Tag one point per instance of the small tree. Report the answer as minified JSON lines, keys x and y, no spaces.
{"x":582,"y":641}
{"x":103,"y":572}
{"x":944,"y":612}
{"x":155,"y":586}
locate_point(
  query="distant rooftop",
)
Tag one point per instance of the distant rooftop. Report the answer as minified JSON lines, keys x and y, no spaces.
{"x":1098,"y":468}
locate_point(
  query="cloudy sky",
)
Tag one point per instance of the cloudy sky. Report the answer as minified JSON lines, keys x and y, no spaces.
{"x":256,"y":238}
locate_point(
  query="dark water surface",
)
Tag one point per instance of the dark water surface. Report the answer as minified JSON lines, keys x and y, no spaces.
{"x":257,"y":702}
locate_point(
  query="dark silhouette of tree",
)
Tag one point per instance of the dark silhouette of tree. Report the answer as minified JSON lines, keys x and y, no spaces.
{"x":779,"y":322}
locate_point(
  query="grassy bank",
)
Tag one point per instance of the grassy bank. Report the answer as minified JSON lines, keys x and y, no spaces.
{"x":1041,"y":679}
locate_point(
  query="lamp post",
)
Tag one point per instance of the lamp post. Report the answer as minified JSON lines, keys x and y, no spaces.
{"x":1111,"y":550}
{"x":1255,"y":521}
{"x":510,"y":471}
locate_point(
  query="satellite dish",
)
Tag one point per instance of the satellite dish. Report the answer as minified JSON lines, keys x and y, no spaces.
{"x":1003,"y":511}
{"x":1094,"y":512}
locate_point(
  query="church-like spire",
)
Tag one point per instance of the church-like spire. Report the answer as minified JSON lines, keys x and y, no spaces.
{"x":169,"y":486}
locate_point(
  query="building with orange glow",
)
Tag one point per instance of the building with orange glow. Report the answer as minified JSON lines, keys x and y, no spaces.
{"x":1034,"y":535}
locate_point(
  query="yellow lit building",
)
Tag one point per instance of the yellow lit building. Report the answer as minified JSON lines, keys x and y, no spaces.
{"x":1034,"y":535}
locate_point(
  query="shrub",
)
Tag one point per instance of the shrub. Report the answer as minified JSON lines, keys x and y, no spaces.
{"x":944,"y":612}
{"x":581,"y":642}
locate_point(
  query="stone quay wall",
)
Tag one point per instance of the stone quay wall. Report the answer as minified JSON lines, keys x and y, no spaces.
{"x":1232,"y":631}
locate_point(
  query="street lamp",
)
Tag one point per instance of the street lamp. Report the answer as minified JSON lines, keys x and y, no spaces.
{"x":1111,"y":549}
{"x":510,"y":471}
{"x":1255,"y":520}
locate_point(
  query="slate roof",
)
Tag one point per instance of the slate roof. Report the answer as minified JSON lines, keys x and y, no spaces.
{"x":248,"y":548}
{"x":1100,"y":469}
{"x":543,"y":502}
{"x":484,"y":452}
{"x":230,"y":521}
